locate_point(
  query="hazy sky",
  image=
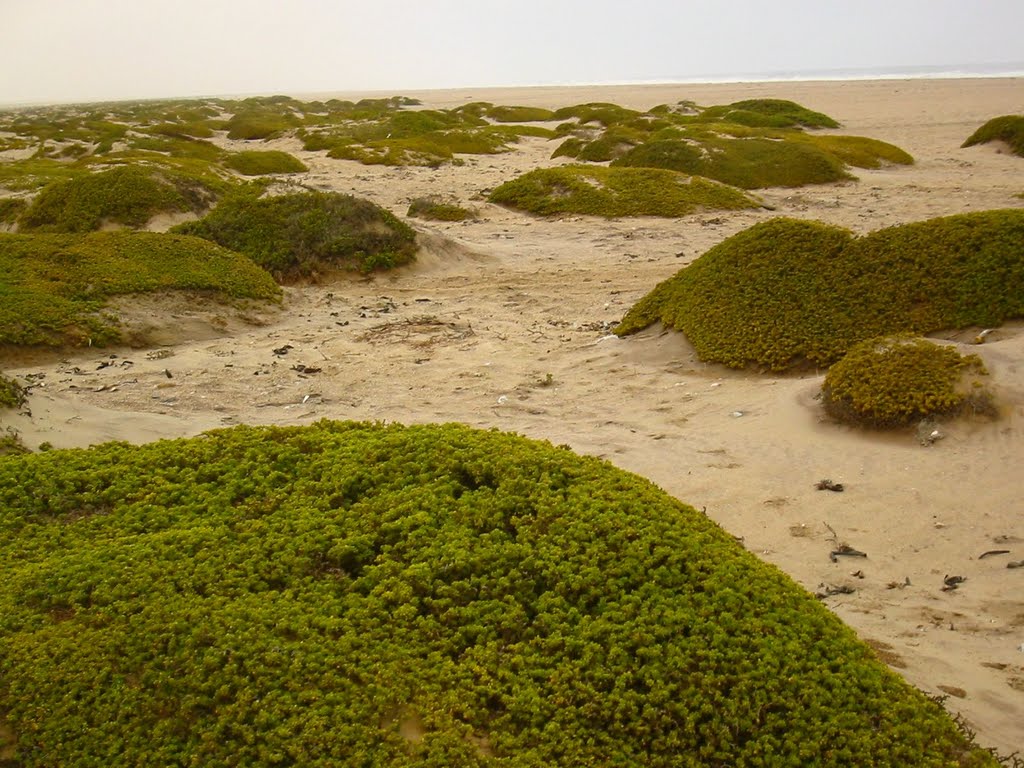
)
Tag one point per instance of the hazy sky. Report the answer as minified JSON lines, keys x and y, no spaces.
{"x":85,"y":50}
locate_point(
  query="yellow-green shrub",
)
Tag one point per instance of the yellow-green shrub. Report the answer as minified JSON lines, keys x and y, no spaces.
{"x":609,"y":192}
{"x":1008,"y":128}
{"x":254,"y":163}
{"x":897,"y":380}
{"x":309,"y":594}
{"x":54,"y":287}
{"x":787,"y":292}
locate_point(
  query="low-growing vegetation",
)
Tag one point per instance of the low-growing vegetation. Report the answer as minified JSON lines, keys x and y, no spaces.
{"x":750,"y":144}
{"x":128,"y":195}
{"x":1008,"y":129}
{"x":898,"y":380}
{"x":303,"y":234}
{"x":256,"y":163}
{"x":417,"y":596}
{"x":610,"y":192}
{"x":55,"y":287}
{"x":439,"y":210}
{"x":12,"y":394}
{"x":786,"y":293}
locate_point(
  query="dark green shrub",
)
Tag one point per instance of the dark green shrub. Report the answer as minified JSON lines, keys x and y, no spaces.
{"x":438,"y":210}
{"x":55,"y":287}
{"x":306,"y":233}
{"x":785,"y":292}
{"x":254,"y":163}
{"x":1008,"y":128}
{"x":898,"y":380}
{"x":12,"y":394}
{"x":519,"y":114}
{"x":415,"y":596}
{"x":752,"y":163}
{"x":129,"y":195}
{"x":609,"y":192}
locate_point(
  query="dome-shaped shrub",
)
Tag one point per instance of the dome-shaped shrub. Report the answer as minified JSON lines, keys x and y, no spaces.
{"x":354,"y":594}
{"x":897,"y":380}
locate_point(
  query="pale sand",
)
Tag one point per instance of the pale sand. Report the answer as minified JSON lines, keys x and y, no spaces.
{"x":472,"y":332}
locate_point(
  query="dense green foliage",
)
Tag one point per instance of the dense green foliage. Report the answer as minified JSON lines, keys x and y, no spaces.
{"x":255,"y":163}
{"x":1008,"y":128}
{"x":748,"y":163}
{"x":898,"y":380}
{"x":305,"y":233}
{"x":502,"y":114}
{"x":750,"y":144}
{"x":356,"y":594}
{"x":438,"y":210}
{"x":128,"y":195}
{"x":12,"y":394}
{"x":53,"y":288}
{"x":786,"y":292}
{"x":600,"y":191}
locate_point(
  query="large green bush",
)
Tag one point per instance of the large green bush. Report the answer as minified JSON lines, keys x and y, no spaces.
{"x":53,"y":288}
{"x":786,"y":292}
{"x":1008,"y":128}
{"x":748,"y":163}
{"x":356,"y":594}
{"x":129,"y":195}
{"x":304,"y":233}
{"x":600,"y":191}
{"x":253,"y":163}
{"x":898,"y":380}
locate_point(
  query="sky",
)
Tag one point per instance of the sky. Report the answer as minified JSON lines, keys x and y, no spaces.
{"x":55,"y":51}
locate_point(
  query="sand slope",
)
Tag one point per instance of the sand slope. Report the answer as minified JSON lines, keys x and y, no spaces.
{"x":504,"y":322}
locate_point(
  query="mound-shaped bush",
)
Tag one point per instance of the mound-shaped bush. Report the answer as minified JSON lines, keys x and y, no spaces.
{"x":11,"y":208}
{"x":1008,"y":128}
{"x":748,"y":163}
{"x":438,"y":210}
{"x":898,"y":380}
{"x":306,"y":233}
{"x":504,"y":114}
{"x":254,"y":163}
{"x":769,"y":113}
{"x":421,"y":596}
{"x":785,"y":292}
{"x":600,"y":191}
{"x":129,"y":195}
{"x":54,"y":287}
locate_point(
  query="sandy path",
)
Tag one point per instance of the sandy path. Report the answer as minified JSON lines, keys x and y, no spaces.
{"x":503,"y":323}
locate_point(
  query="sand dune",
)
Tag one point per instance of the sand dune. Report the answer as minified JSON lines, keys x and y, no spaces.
{"x":504,"y":322}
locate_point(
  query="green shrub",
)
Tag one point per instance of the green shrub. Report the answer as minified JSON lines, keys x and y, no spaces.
{"x":519,"y":114}
{"x":898,"y":380}
{"x":784,"y":293}
{"x":259,"y":124}
{"x":12,"y":394}
{"x":752,"y":163}
{"x":127,"y":195}
{"x":609,"y":192}
{"x":769,"y":113}
{"x":11,"y":208}
{"x":859,"y":151}
{"x":1008,"y":128}
{"x":305,"y":233}
{"x":596,"y":112}
{"x":54,"y":287}
{"x":254,"y":163}
{"x":438,"y":210}
{"x":415,"y":596}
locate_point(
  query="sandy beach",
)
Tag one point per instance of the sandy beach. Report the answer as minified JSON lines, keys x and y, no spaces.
{"x":505,"y":321}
